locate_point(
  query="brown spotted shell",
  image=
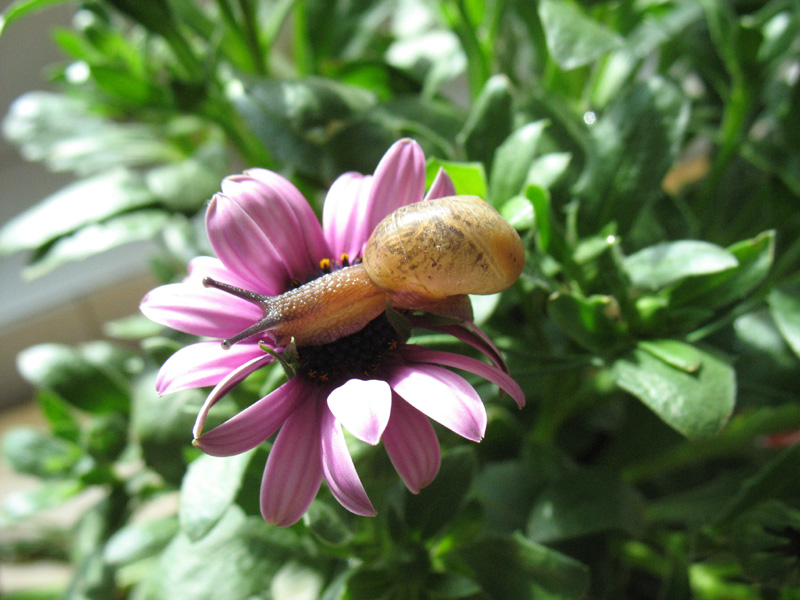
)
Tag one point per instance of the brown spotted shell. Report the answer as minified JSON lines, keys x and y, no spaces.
{"x":444,"y":247}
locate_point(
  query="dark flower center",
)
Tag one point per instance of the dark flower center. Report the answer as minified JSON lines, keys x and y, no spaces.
{"x":360,"y":354}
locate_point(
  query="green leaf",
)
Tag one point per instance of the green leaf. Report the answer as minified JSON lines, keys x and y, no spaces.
{"x":754,"y":256}
{"x":489,"y":121}
{"x":668,"y":262}
{"x":469,"y":178}
{"x":296,"y":581}
{"x":133,"y":327}
{"x":540,"y":199}
{"x":434,"y":54}
{"x":20,"y":8}
{"x":208,"y":490}
{"x":295,"y":119}
{"x":163,"y":426}
{"x":94,"y":578}
{"x":140,"y":540}
{"x":105,"y":437}
{"x":547,"y":169}
{"x":32,"y":452}
{"x":127,"y":87}
{"x":117,"y":359}
{"x":367,"y":583}
{"x":58,"y":415}
{"x":515,"y":567}
{"x":187,"y":184}
{"x":573,"y":38}
{"x":513,"y":160}
{"x":358,"y":144}
{"x":654,"y":29}
{"x":696,"y":404}
{"x":776,"y":480}
{"x":155,"y":15}
{"x":432,"y":509}
{"x":697,"y":506}
{"x":450,"y":586}
{"x":506,"y":490}
{"x":326,"y":524}
{"x":676,"y":354}
{"x":592,"y":322}
{"x":24,"y":503}
{"x":518,"y":211}
{"x":76,"y":376}
{"x":764,"y":359}
{"x":784,"y":305}
{"x":584,"y":503}
{"x":237,"y":560}
{"x":432,"y":123}
{"x":631,"y":147}
{"x":68,"y":135}
{"x":224,"y":37}
{"x":73,"y":207}
{"x":335,"y":33}
{"x":96,"y":238}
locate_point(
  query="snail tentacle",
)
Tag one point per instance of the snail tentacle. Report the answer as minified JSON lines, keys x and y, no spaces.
{"x":264,"y":302}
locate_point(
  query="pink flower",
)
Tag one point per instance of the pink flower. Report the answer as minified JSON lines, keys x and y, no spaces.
{"x":268,"y":240}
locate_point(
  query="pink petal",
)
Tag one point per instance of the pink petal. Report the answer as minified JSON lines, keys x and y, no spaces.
{"x":202,"y":364}
{"x":207,"y":266}
{"x":443,"y":396}
{"x":467,"y":332}
{"x":363,"y":408}
{"x":412,"y":446}
{"x":294,"y":467}
{"x":244,"y":248}
{"x":230,"y":381}
{"x":441,"y":187}
{"x":192,"y":308}
{"x":343,"y":215}
{"x":449,"y":359}
{"x":399,"y":180}
{"x":339,"y":470}
{"x":284,"y":216}
{"x":254,"y":424}
{"x":312,"y":237}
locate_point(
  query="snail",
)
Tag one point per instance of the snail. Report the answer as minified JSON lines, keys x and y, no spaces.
{"x":424,"y":256}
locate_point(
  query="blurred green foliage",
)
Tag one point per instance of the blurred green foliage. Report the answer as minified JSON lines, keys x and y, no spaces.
{"x":649,"y":154}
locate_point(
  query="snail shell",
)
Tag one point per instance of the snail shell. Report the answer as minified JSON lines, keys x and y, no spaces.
{"x":444,"y":247}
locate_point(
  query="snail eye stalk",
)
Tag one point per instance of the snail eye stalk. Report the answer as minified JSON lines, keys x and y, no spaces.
{"x":260,"y":300}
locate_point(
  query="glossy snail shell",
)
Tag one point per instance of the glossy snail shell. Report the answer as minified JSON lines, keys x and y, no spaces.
{"x":444,"y":247}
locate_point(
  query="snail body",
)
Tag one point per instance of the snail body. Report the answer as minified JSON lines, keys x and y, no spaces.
{"x":424,"y":256}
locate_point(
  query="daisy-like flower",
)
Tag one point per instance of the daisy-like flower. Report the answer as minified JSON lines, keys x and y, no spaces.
{"x":267,"y":241}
